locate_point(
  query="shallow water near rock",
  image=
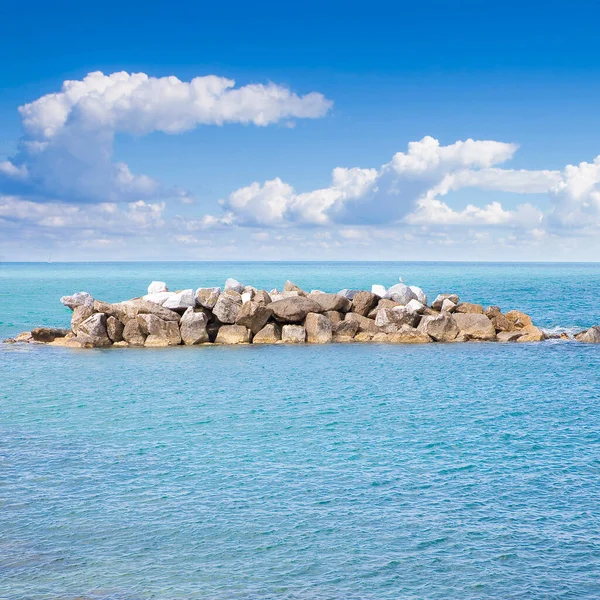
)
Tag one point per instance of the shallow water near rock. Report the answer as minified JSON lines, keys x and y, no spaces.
{"x":445,"y":471}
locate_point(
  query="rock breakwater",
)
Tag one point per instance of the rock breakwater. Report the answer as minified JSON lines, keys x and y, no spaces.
{"x":240,"y":314}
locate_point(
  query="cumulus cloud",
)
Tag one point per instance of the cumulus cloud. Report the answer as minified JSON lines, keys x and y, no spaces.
{"x":409,"y":183}
{"x":68,"y":138}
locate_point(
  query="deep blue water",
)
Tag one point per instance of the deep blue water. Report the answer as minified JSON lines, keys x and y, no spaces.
{"x":458,"y":471}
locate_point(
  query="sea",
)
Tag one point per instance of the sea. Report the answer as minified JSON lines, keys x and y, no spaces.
{"x":341,"y":471}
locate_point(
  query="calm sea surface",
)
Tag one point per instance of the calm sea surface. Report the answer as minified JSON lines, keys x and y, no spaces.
{"x":450,"y":472}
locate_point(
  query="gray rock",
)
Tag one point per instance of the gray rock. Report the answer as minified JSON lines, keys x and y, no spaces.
{"x":475,"y":326}
{"x":160,"y":332}
{"x":78,"y":299}
{"x":261,"y":297}
{"x":345,"y":331}
{"x":133,"y":334}
{"x":348,"y":294}
{"x":234,"y":284}
{"x":441,"y":328}
{"x":254,"y":316}
{"x":290,"y":286}
{"x":390,"y":320}
{"x":420,"y":295}
{"x":130,"y":309}
{"x":332,"y":302}
{"x":448,"y":306}
{"x":294,"y":310}
{"x":318,"y":328}
{"x":207,"y":297}
{"x":94,"y":328}
{"x":269,"y":334}
{"x":227,"y":308}
{"x":47,"y":334}
{"x":437,"y":303}
{"x":181,"y":300}
{"x":409,"y":335}
{"x":364,"y":302}
{"x":233,"y":334}
{"x":590,"y":336}
{"x":293,"y":334}
{"x":80,"y":314}
{"x":192,"y":328}
{"x":114,"y":329}
{"x":400,"y":293}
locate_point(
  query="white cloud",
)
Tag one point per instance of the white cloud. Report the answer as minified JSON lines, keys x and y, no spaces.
{"x":393,"y":192}
{"x":68,"y":144}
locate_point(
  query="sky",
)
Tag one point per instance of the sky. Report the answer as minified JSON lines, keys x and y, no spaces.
{"x":312,"y":131}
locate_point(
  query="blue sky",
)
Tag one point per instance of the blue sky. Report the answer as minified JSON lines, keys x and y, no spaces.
{"x":135,"y":174}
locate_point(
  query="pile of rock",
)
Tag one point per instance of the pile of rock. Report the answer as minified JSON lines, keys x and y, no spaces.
{"x":241,"y":314}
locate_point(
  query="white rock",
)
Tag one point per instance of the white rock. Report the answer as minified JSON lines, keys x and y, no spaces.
{"x":158,"y":297}
{"x":275,"y":296}
{"x":156,"y":287}
{"x":234,"y":284}
{"x":349,"y":294}
{"x":400,"y":293}
{"x":78,"y":299}
{"x":247,"y":296}
{"x":378,"y":290}
{"x":419,"y":293}
{"x":181,"y":300}
{"x":415,"y":306}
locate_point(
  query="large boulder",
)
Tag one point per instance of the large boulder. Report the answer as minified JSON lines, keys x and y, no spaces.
{"x":130,"y":309}
{"x":234,"y":284}
{"x":334,"y":316}
{"x":269,"y":334}
{"x":94,"y":328}
{"x":48,"y":334}
{"x":442,"y":328}
{"x":262,"y":297}
{"x":78,"y":299}
{"x":589,"y":336}
{"x":158,"y":331}
{"x":290,"y":286}
{"x":437,"y":303}
{"x":80,"y":314}
{"x":417,"y":307}
{"x":332,"y":302}
{"x":253,"y":315}
{"x":133,"y":334}
{"x":294,"y":310}
{"x":448,"y":306}
{"x":518,"y":319}
{"x":400,"y":293}
{"x":475,"y":326}
{"x":409,"y":335}
{"x":158,"y":297}
{"x":364,"y":323}
{"x":293,"y":334}
{"x":233,"y":334}
{"x":181,"y":301}
{"x":383,"y":303}
{"x":157,"y":287}
{"x":421,"y":296}
{"x":531,"y":333}
{"x":509,"y":336}
{"x":468,"y":308}
{"x":318,"y":328}
{"x":114,"y":329}
{"x":390,"y":320}
{"x":378,"y":290}
{"x":346,"y":331}
{"x":207,"y":297}
{"x":364,"y":302}
{"x":227,"y":308}
{"x":192,"y":327}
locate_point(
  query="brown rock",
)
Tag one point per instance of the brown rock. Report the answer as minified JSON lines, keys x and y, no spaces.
{"x":94,"y":328}
{"x":383,"y":303}
{"x":469,"y":308}
{"x":233,"y":334}
{"x":531,"y":333}
{"x":380,"y":337}
{"x":254,"y":316}
{"x":207,"y":297}
{"x":334,"y":316}
{"x":345,"y":331}
{"x":363,"y":336}
{"x":114,"y":329}
{"x":589,"y":336}
{"x":160,"y":333}
{"x":437,"y":303}
{"x":509,"y":336}
{"x":492,"y":311}
{"x":294,"y":310}
{"x":80,"y":314}
{"x":390,"y":320}
{"x":293,"y":334}
{"x":501,"y":323}
{"x":133,"y":334}
{"x":289,"y":286}
{"x":364,"y":302}
{"x":409,"y":335}
{"x":475,"y":326}
{"x":262,"y":297}
{"x":269,"y":334}
{"x":48,"y":334}
{"x":332,"y":302}
{"x":364,"y":323}
{"x":442,"y":328}
{"x":318,"y":328}
{"x":518,"y":319}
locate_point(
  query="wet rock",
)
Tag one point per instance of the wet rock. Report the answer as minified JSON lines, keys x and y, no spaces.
{"x":192,"y":328}
{"x":114,"y":329}
{"x":332,"y":302}
{"x":269,"y":334}
{"x":589,"y":336}
{"x":293,"y":334}
{"x":294,"y":310}
{"x":364,"y":302}
{"x":227,"y":308}
{"x":253,"y":315}
{"x":318,"y":328}
{"x":437,"y":303}
{"x":233,"y":334}
{"x":207,"y":297}
{"x":24,"y":337}
{"x":475,"y":326}
{"x":47,"y":334}
{"x":159,"y":332}
{"x":441,"y":328}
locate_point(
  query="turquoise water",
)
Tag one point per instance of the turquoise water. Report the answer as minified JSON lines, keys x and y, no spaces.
{"x":343,"y":471}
